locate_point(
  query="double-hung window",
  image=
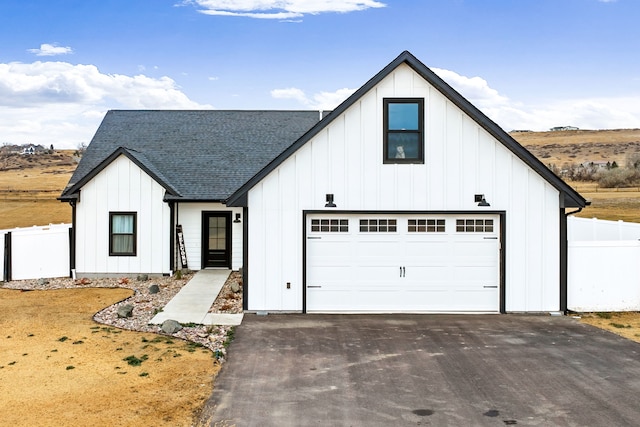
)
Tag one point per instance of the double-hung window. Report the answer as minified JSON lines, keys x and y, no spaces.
{"x":403,"y":130}
{"x":122,"y":233}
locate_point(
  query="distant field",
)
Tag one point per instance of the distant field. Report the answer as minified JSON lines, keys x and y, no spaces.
{"x":580,"y":146}
{"x":29,"y":185}
{"x":609,"y":203}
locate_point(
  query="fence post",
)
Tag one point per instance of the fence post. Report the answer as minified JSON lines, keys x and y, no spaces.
{"x":7,"y":257}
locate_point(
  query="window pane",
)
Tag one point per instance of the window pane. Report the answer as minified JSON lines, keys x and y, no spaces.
{"x":122,"y":223}
{"x":122,"y":243}
{"x":403,"y":116}
{"x":404,"y":145}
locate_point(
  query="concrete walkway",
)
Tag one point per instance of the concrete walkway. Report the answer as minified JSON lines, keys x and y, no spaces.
{"x":192,"y":303}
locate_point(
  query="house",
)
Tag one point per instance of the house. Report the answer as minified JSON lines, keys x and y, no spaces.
{"x":405,"y":198}
{"x":561,"y":128}
{"x":29,"y":149}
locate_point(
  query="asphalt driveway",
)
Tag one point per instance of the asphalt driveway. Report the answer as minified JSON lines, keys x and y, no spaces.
{"x":438,"y":370}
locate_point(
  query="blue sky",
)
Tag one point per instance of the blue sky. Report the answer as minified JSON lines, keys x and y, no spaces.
{"x":527,"y":64}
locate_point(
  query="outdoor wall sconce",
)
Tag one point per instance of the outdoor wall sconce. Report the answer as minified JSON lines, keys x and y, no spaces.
{"x":330,"y":203}
{"x":237,"y":218}
{"x":480,"y":200}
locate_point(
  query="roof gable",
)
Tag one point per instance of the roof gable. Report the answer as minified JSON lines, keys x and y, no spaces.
{"x":137,"y":158}
{"x":569,"y":198}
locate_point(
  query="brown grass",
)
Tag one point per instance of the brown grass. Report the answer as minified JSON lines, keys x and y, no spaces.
{"x":626,"y":325}
{"x":60,"y":368}
{"x":612,"y":204}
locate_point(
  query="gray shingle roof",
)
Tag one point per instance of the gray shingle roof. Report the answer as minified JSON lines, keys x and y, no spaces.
{"x":196,"y":155}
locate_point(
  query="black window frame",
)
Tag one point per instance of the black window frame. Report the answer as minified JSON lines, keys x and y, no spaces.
{"x":134,"y":234}
{"x":419,"y":159}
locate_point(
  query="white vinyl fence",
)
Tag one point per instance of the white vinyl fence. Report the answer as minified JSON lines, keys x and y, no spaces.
{"x":603,"y":265}
{"x":35,"y":252}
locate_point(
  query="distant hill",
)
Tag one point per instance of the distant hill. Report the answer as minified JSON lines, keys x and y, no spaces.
{"x":64,"y":160}
{"x":580,"y":146}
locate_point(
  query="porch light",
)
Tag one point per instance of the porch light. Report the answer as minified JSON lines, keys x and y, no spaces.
{"x":237,"y":218}
{"x":480,"y":200}
{"x":330,"y":203}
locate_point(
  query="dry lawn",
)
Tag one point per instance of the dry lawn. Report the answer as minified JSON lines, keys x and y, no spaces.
{"x":624,"y":324}
{"x":60,"y":368}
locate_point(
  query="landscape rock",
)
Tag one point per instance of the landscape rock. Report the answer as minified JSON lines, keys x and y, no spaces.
{"x":125,"y":310}
{"x":42,"y":282}
{"x":235,"y":287}
{"x":154,"y":289}
{"x":143,"y":278}
{"x":170,"y":326}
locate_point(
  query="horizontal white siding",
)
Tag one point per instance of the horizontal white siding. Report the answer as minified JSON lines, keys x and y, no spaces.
{"x":122,"y":187}
{"x":189,"y":215}
{"x":461,"y":159}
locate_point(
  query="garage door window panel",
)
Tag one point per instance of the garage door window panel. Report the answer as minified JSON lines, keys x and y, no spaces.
{"x":426,"y":226}
{"x":474,"y":225}
{"x":330,"y":225}
{"x":378,"y":225}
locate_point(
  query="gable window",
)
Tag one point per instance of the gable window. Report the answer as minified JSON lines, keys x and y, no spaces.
{"x":122,"y":233}
{"x":403,"y":130}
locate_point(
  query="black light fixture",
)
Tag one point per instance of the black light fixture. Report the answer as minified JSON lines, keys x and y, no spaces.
{"x":480,"y":200}
{"x":237,"y":218}
{"x":330,"y":203}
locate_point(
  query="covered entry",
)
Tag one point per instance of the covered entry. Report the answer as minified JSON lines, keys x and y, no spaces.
{"x":402,"y":262}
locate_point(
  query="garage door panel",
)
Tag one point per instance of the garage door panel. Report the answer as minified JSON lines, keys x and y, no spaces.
{"x":408,"y":269}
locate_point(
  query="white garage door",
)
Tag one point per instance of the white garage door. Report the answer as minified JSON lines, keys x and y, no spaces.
{"x":403,"y":263}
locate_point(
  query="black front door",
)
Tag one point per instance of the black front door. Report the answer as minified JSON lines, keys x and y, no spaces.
{"x":216,"y":239}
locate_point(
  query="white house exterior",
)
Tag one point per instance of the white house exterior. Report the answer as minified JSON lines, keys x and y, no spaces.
{"x":406,"y":198}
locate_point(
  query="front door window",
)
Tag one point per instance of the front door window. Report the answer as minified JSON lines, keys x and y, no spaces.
{"x":216,"y":238}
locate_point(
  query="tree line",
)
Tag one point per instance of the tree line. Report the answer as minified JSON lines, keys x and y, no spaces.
{"x":610,"y":175}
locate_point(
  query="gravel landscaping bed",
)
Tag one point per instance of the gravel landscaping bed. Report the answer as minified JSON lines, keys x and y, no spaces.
{"x":147,"y":304}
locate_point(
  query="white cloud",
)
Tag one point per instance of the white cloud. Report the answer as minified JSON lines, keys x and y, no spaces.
{"x":585,"y":113}
{"x":61,"y":103}
{"x":47,"y":49}
{"x":280,"y":9}
{"x":319,"y":101}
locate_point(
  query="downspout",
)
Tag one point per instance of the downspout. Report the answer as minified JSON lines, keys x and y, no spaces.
{"x":72,"y":241}
{"x":172,"y":241}
{"x":245,"y":259}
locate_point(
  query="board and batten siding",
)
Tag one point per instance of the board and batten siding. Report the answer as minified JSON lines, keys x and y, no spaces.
{"x":461,"y":159}
{"x":189,"y":215}
{"x":122,"y":187}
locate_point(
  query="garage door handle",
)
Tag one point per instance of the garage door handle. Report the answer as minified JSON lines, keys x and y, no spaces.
{"x":492,"y":238}
{"x":313,"y":237}
{"x":311,"y":286}
{"x":402,"y":272}
{"x":490,"y":286}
